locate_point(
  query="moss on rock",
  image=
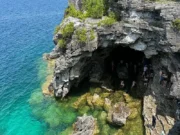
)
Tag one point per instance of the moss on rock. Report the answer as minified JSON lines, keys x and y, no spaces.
{"x":102,"y":117}
{"x":98,"y":90}
{"x":176,"y":24}
{"x":83,"y":110}
{"x":97,"y":101}
{"x":107,"y":104}
{"x":134,"y":104}
{"x":127,"y":98}
{"x":134,"y":114}
{"x":89,"y":101}
{"x":82,"y":100}
{"x":117,"y":97}
{"x":119,"y":132}
{"x":105,"y":130}
{"x":104,"y":95}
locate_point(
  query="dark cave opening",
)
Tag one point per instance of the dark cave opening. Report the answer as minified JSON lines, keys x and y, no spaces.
{"x":121,"y":64}
{"x":124,"y":67}
{"x":124,"y":54}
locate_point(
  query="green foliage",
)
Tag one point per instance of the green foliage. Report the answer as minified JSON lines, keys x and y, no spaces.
{"x":68,"y":30}
{"x":81,"y":35}
{"x":176,"y":24}
{"x":72,"y":11}
{"x":107,"y":21}
{"x":112,"y":15}
{"x":94,"y":8}
{"x":56,"y":29}
{"x":62,"y":43}
{"x":90,"y":8}
{"x":92,"y":35}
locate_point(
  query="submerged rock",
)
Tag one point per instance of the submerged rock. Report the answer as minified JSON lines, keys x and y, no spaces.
{"x":118,"y":114}
{"x":85,"y":125}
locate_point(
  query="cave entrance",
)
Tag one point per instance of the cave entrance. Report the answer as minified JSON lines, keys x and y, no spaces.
{"x":124,"y":68}
{"x":124,"y":55}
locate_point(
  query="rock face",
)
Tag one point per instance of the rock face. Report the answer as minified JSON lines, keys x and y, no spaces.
{"x":77,"y":3}
{"x":175,"y":130}
{"x":118,"y":114}
{"x":144,"y":26}
{"x":84,"y":125}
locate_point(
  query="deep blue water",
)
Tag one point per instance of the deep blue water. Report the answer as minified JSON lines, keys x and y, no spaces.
{"x":26,"y":31}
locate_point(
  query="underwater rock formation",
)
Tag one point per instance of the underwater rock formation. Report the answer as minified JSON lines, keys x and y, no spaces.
{"x":118,"y":114}
{"x":145,"y":27}
{"x":103,"y":104}
{"x":85,"y":125}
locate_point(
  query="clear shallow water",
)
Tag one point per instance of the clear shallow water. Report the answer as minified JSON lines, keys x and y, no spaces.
{"x":26,"y":30}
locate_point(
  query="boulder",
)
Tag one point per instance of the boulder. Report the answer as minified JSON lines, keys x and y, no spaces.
{"x":118,"y":114}
{"x":85,"y":125}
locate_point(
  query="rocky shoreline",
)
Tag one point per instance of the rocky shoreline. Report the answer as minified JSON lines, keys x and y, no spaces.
{"x":144,"y":30}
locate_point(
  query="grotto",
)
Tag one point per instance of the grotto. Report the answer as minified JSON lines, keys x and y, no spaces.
{"x":124,"y":64}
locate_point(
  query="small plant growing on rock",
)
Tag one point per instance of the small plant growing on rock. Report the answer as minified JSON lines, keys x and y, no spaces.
{"x":92,"y":35}
{"x":72,"y":11}
{"x":107,"y":21}
{"x":90,"y":8}
{"x":94,"y":8}
{"x":68,"y":30}
{"x":81,"y":35}
{"x":62,"y":43}
{"x":176,"y":24}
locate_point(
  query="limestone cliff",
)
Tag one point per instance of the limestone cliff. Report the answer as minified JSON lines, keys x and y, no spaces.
{"x":143,"y":26}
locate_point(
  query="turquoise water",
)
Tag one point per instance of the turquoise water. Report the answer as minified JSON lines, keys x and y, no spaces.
{"x":26,"y":31}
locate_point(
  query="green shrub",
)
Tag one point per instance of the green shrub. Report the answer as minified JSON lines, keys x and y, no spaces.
{"x":56,"y":29}
{"x":72,"y":11}
{"x":68,"y":30}
{"x":81,"y":35}
{"x":176,"y":24}
{"x":107,"y":21}
{"x":92,"y":35}
{"x":90,"y":8}
{"x":112,"y":15}
{"x":94,"y":8}
{"x":62,"y":43}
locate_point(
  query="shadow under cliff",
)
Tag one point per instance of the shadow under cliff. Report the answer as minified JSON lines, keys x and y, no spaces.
{"x":117,"y":64}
